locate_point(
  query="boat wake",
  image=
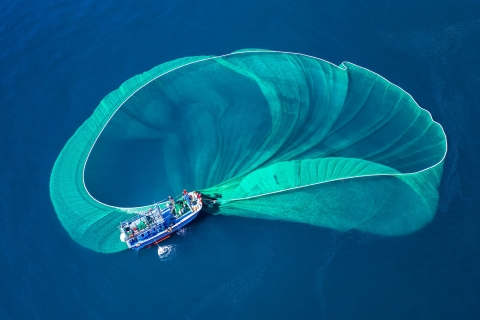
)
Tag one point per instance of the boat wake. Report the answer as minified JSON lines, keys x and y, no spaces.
{"x":183,"y":232}
{"x":166,"y":253}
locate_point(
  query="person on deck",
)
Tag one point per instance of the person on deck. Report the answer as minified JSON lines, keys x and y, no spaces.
{"x":171,"y":205}
{"x":199,"y":197}
{"x":184,"y":207}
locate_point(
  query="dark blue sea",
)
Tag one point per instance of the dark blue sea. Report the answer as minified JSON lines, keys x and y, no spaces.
{"x":58,"y":59}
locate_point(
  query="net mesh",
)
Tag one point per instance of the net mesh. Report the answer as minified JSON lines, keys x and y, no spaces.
{"x":274,"y":135}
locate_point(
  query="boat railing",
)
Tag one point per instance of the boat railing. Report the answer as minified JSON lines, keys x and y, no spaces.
{"x":150,"y":228}
{"x":132,"y":219}
{"x":161,"y":205}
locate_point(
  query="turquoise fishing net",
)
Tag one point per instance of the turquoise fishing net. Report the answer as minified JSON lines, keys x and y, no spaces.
{"x":272,"y":135}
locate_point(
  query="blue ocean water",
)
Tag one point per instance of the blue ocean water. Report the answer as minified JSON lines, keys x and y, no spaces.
{"x":60,"y":58}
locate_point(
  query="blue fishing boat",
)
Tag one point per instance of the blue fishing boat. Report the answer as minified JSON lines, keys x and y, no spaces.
{"x":160,"y":221}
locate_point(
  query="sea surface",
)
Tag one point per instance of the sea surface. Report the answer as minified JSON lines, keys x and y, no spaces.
{"x":58,"y":59}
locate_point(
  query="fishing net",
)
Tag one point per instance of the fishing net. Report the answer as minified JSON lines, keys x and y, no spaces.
{"x":270,"y":134}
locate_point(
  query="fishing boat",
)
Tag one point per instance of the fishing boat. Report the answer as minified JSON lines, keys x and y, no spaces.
{"x":160,"y":221}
